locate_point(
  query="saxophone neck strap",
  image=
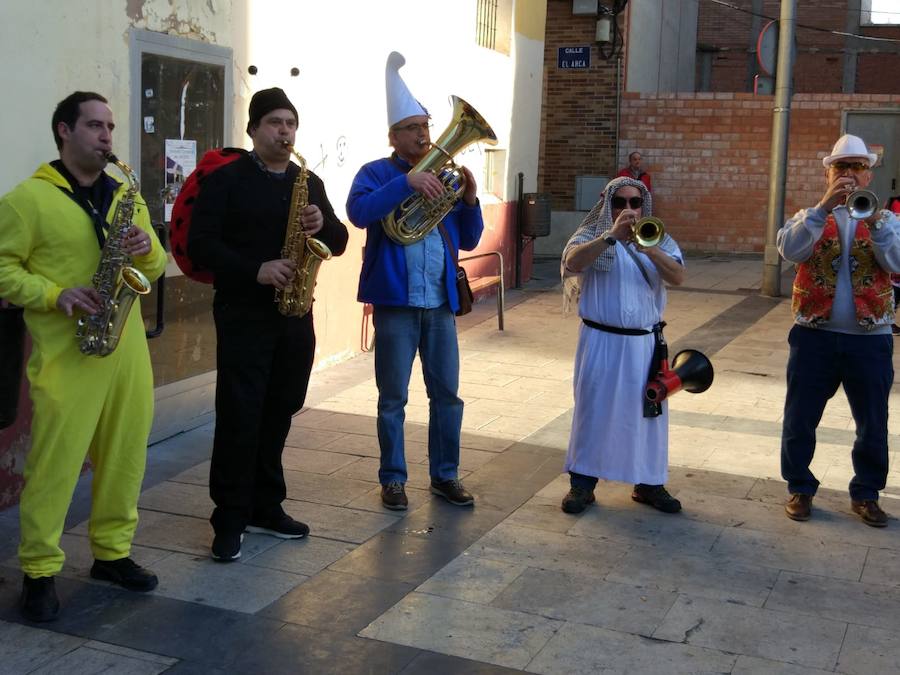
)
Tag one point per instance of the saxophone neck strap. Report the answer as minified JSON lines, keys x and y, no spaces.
{"x":95,"y":200}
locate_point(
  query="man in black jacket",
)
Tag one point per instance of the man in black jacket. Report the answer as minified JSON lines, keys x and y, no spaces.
{"x":264,"y":358}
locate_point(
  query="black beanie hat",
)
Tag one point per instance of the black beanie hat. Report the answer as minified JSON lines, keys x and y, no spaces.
{"x":267,"y":100}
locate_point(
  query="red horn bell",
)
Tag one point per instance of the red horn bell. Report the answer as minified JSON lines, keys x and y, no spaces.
{"x":690,"y":370}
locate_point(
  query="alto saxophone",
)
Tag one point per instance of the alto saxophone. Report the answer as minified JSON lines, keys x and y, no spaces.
{"x":117,"y":282}
{"x":308,"y":253}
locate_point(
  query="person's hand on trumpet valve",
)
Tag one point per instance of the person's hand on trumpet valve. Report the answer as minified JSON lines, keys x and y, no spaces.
{"x":622,"y":229}
{"x":837,"y":192}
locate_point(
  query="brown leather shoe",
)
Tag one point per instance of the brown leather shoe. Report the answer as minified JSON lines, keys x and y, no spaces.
{"x":870,"y":512}
{"x":799,"y":507}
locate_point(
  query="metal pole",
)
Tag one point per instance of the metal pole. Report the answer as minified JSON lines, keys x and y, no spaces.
{"x":781,"y":126}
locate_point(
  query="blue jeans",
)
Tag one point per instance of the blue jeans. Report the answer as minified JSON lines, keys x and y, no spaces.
{"x":819,"y":362}
{"x":399,"y":333}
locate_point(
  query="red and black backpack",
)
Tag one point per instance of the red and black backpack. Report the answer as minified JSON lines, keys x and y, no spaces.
{"x":183,"y":208}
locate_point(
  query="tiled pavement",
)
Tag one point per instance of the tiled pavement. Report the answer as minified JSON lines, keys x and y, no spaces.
{"x":730,"y":585}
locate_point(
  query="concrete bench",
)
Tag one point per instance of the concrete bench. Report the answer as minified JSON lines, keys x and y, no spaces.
{"x":480,"y":283}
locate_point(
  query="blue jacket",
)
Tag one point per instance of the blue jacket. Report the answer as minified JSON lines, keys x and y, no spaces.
{"x":378,"y":188}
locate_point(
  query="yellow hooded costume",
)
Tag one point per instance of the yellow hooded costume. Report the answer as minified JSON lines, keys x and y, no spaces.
{"x":83,"y":405}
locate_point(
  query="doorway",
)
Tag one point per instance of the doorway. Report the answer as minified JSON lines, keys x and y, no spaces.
{"x":880,"y":129}
{"x":181,"y":106}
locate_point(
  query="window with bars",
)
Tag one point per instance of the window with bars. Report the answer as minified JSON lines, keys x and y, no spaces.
{"x":879,"y":13}
{"x":493,"y":24}
{"x":494,"y":172}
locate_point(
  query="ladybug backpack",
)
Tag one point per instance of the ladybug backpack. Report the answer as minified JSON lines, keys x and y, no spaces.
{"x":183,"y":208}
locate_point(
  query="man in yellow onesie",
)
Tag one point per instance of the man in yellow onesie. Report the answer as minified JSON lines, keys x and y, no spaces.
{"x":52,"y":227}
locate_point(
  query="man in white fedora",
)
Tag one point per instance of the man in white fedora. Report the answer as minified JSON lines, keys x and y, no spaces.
{"x":843,"y":310}
{"x":412,"y":289}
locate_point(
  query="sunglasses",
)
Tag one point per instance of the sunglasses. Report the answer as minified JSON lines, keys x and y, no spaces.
{"x":853,"y":166}
{"x":621,"y":202}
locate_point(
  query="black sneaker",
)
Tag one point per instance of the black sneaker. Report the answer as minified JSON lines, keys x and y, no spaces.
{"x":577,"y":500}
{"x":125,"y":572}
{"x":39,"y":601}
{"x":656,"y":496}
{"x":393,"y":496}
{"x":282,"y":526}
{"x":453,"y":491}
{"x":226,"y":546}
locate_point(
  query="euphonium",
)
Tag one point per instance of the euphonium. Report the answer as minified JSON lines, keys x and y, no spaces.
{"x":862,"y":204}
{"x":308,"y":253}
{"x":648,"y":231}
{"x":117,"y":282}
{"x":417,"y":216}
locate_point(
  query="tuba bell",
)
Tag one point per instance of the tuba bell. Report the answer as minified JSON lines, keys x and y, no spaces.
{"x":417,"y":216}
{"x":648,"y":231}
{"x":862,"y":204}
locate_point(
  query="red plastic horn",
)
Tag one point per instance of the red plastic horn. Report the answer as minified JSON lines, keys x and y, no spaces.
{"x":690,"y":370}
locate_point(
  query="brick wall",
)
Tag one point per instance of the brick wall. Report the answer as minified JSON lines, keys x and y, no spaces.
{"x":820,"y":54}
{"x":578,"y":134}
{"x":708,"y":155}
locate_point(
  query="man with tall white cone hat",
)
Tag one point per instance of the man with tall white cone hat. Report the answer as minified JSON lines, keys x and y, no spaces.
{"x":843,"y":310}
{"x":413,"y":291}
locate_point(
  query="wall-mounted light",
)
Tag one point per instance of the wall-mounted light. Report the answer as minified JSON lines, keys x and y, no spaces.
{"x":603,"y":29}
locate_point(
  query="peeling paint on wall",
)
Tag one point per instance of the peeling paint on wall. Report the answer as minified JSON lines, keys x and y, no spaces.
{"x":134,"y":9}
{"x":181,"y":18}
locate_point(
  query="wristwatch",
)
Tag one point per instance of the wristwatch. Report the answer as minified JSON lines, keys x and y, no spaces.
{"x":609,"y":240}
{"x":882,"y":219}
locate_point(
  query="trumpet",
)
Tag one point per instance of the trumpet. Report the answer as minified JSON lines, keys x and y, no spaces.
{"x":648,"y":231}
{"x":862,"y":204}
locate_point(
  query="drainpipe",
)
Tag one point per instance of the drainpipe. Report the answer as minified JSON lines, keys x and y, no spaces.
{"x":618,"y":111}
{"x":781,"y":125}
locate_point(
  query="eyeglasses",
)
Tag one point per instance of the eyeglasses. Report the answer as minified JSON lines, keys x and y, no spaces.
{"x":621,"y":202}
{"x":853,"y":166}
{"x":413,"y":128}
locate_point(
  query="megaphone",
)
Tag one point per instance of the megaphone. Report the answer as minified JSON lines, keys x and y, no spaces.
{"x":690,"y":370}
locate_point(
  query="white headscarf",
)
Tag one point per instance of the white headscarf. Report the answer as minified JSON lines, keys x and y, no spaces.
{"x":597,"y":221}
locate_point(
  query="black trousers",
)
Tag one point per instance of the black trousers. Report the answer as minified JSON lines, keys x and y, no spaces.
{"x":264,"y":362}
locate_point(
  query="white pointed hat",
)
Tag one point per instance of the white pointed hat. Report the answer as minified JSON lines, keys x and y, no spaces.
{"x":400,"y":101}
{"x":849,"y":146}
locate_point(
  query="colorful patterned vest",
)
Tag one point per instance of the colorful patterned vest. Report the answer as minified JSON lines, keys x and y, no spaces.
{"x":816,"y":280}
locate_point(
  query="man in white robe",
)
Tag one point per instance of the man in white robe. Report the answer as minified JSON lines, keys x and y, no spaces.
{"x":621,"y":293}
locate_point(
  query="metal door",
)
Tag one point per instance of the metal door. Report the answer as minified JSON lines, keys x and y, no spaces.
{"x":879,"y":129}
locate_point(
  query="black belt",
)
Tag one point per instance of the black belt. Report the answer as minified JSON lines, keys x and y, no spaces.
{"x":616,"y":329}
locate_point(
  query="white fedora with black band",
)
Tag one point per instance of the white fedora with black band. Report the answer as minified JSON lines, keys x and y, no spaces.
{"x":849,"y":146}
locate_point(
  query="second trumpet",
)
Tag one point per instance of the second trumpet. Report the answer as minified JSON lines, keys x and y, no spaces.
{"x":862,"y":204}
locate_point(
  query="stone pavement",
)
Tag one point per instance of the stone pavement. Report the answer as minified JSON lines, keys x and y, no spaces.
{"x":728,"y":586}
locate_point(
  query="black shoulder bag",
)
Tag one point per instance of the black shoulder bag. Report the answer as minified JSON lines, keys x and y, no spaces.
{"x":466,"y":298}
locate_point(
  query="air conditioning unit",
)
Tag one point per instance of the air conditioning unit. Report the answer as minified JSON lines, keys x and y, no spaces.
{"x":584,"y":7}
{"x":587,"y":191}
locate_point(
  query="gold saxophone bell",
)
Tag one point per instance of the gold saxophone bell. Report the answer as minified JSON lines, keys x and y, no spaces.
{"x":417,"y":216}
{"x":862,"y":204}
{"x":648,"y":231}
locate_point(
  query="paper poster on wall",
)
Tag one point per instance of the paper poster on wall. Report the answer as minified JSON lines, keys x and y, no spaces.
{"x":181,"y":159}
{"x":879,"y":154}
